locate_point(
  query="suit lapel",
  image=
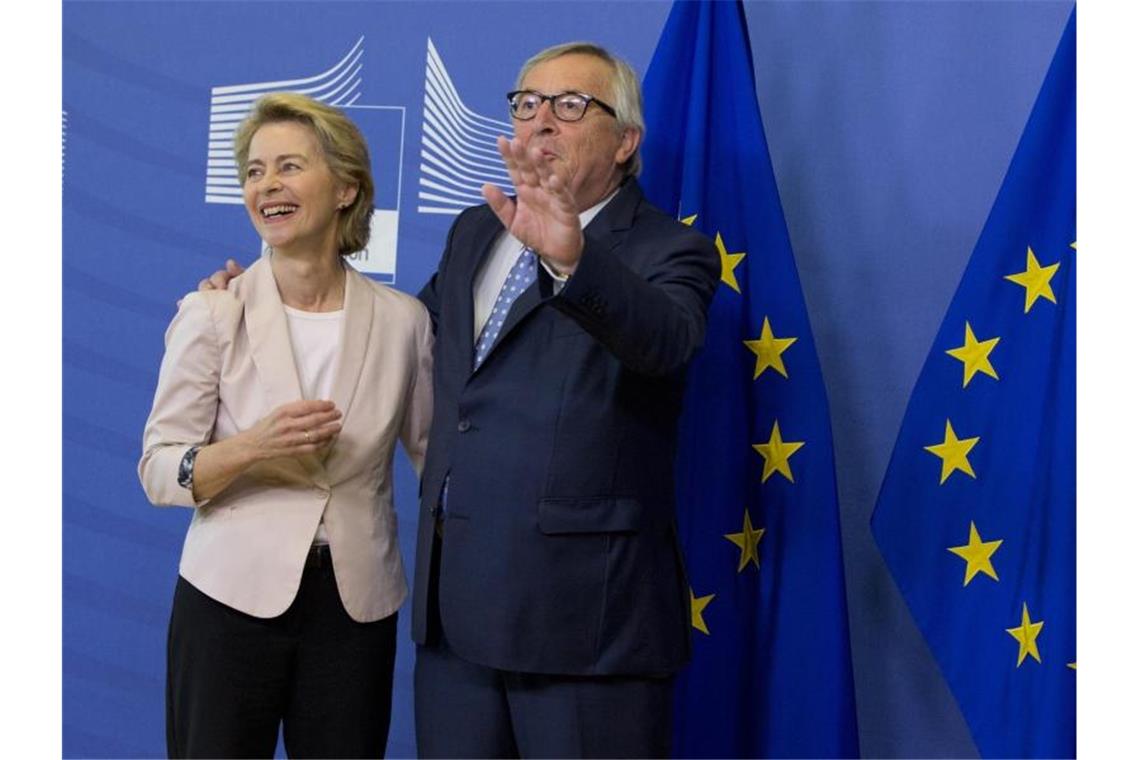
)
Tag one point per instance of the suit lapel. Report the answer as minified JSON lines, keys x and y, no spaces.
{"x":618,"y":214}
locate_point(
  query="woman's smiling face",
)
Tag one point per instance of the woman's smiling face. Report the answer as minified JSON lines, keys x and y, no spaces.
{"x":290,"y":193}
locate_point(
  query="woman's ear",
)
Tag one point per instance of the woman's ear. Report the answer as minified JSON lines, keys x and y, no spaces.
{"x":346,"y":195}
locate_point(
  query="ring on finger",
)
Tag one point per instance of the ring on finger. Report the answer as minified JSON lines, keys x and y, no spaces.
{"x":308,"y":436}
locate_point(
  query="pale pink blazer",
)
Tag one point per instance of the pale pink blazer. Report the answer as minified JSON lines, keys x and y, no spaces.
{"x":228,"y":362}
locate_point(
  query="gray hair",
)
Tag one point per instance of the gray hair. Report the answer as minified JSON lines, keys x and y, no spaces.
{"x":626,"y":90}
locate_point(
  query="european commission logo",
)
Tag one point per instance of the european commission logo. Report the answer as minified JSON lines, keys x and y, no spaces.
{"x":457,"y":149}
{"x":383,"y":127}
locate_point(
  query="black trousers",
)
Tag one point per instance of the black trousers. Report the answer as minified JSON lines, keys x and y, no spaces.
{"x":233,"y":679}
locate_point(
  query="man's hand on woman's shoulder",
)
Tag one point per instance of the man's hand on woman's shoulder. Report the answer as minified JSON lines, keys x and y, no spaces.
{"x":220,"y":279}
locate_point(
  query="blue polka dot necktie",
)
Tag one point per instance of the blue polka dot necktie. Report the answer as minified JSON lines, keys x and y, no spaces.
{"x":521,"y":277}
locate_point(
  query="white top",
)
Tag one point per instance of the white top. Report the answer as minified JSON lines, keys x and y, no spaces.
{"x":315,"y":338}
{"x":489,"y":280}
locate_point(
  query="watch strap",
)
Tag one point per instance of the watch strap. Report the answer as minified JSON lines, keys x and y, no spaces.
{"x":186,"y":467}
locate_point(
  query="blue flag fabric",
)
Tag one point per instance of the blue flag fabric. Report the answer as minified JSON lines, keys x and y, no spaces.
{"x":756,"y":497}
{"x":977,"y":513}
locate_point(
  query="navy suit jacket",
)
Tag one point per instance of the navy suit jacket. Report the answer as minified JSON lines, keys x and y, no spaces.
{"x":559,"y":550}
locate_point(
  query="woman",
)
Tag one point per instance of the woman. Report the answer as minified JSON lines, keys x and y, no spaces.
{"x":278,"y":405}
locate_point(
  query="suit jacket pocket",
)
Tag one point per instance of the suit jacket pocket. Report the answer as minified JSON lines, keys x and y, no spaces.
{"x":605,"y":514}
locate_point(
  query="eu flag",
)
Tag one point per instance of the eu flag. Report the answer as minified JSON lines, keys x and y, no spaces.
{"x":977,"y":513}
{"x":756,"y":496}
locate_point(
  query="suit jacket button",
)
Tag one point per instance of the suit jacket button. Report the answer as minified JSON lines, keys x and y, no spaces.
{"x":464,"y":426}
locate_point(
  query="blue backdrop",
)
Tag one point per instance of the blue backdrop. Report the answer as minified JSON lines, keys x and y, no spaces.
{"x":890,"y":127}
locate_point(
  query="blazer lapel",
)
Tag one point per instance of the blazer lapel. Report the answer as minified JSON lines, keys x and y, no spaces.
{"x":355,"y":331}
{"x":272,"y":352}
{"x":269,"y":342}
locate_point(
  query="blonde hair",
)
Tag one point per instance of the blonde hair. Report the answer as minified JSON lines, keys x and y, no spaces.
{"x":343,"y":148}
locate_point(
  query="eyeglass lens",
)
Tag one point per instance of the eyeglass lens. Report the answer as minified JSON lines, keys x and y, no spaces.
{"x":568,"y":106}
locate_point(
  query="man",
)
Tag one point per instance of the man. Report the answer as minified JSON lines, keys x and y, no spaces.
{"x":551,"y":606}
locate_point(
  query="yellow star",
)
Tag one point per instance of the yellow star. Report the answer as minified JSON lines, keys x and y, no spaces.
{"x":728,"y":262}
{"x":688,"y":220}
{"x":1026,"y":635}
{"x":977,"y":554}
{"x":1072,"y":665}
{"x":1035,"y":280}
{"x":952,"y":451}
{"x":698,"y":604}
{"x":768,"y":349}
{"x":776,"y":452}
{"x":749,"y":542}
{"x":975,"y":356}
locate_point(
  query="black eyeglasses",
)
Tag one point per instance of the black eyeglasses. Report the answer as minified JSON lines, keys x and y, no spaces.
{"x":567,"y":106}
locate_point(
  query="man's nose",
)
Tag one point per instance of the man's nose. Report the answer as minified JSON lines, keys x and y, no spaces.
{"x":544,"y":118}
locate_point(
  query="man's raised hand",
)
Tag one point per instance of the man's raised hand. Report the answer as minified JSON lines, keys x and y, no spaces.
{"x":543,"y":215}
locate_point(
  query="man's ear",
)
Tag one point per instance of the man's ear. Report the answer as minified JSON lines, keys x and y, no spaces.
{"x":630,"y":139}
